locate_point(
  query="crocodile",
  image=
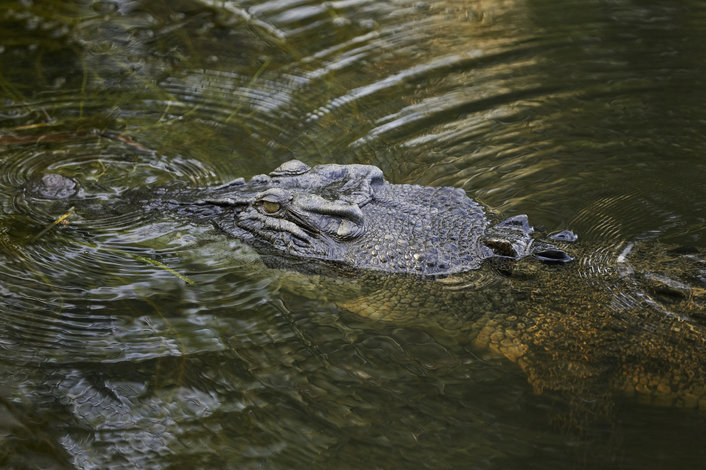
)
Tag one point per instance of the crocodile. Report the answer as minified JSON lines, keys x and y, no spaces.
{"x":347,"y":218}
{"x":413,"y":252}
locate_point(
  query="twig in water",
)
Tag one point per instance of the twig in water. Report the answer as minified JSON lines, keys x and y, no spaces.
{"x":54,"y":224}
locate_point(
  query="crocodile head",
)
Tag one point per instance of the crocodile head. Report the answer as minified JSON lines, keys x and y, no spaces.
{"x":297,"y":211}
{"x":349,"y":216}
{"x":342,"y":215}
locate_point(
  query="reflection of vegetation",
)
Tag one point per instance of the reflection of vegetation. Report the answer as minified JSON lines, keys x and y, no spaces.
{"x":63,"y":61}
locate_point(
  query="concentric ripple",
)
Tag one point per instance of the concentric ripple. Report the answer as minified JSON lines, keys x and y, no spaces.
{"x":104,"y":165}
{"x":77,"y":283}
{"x":76,"y":298}
{"x":639,"y":269}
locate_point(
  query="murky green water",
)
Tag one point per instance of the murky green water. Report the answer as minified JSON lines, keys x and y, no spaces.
{"x":584,"y":115}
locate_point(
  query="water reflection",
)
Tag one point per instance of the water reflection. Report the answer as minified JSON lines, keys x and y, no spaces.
{"x":585,"y":117}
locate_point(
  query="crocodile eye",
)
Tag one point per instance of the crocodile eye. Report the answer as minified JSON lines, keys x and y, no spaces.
{"x":271,"y":207}
{"x":273,"y":201}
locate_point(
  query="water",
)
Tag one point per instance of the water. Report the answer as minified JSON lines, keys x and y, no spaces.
{"x":584,"y":115}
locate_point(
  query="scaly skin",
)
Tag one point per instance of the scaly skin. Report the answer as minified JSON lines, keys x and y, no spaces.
{"x":566,"y":335}
{"x":348,"y":217}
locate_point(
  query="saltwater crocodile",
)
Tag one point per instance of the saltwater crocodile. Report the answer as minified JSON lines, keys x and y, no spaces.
{"x":347,"y":220}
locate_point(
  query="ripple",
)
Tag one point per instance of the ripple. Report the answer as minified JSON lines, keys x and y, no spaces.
{"x":89,"y":290}
{"x":104,"y":165}
{"x":621,"y":253}
{"x":221,"y":97}
{"x":44,"y":321}
{"x":67,"y":302}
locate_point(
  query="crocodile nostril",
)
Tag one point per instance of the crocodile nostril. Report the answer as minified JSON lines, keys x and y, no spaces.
{"x":552,"y":255}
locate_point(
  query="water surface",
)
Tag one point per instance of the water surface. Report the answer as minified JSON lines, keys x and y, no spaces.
{"x":584,"y":115}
